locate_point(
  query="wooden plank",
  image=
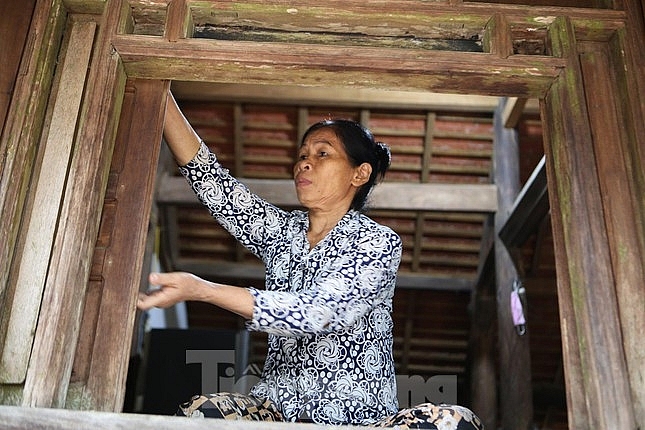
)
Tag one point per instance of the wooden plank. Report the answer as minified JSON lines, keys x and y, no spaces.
{"x":178,"y":21}
{"x":92,"y":7}
{"x":224,"y":270}
{"x":612,"y":148}
{"x":586,"y":286}
{"x":388,"y":195}
{"x":515,"y":390}
{"x":497,"y":36}
{"x":21,"y":418}
{"x":14,"y":27}
{"x":513,"y":111}
{"x":135,"y":162}
{"x":22,"y":130}
{"x":48,"y":191}
{"x":68,"y":273}
{"x":427,"y":21}
{"x":528,"y":211}
{"x":482,"y":339}
{"x":319,"y":65}
{"x":344,"y":97}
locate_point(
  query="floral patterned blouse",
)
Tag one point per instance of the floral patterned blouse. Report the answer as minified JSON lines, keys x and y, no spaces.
{"x":326,"y":310}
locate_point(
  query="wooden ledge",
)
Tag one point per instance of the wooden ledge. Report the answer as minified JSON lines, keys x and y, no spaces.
{"x":16,"y":417}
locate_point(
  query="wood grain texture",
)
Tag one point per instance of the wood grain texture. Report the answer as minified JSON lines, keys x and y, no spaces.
{"x":588,"y":266}
{"x":55,"y":153}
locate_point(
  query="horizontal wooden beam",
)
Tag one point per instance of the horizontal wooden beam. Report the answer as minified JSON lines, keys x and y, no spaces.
{"x":302,"y":64}
{"x":15,"y":418}
{"x":358,"y":19}
{"x":255,"y":271}
{"x":389,"y":195}
{"x":343,"y":97}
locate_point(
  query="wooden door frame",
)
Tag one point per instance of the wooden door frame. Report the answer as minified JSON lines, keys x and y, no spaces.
{"x":602,"y":366}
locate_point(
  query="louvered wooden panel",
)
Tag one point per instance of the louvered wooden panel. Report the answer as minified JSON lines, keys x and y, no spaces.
{"x":269,"y":137}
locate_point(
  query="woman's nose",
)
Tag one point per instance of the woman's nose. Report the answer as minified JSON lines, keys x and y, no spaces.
{"x":303,"y":165}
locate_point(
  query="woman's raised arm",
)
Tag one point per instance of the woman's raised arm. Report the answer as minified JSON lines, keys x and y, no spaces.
{"x":180,"y":136}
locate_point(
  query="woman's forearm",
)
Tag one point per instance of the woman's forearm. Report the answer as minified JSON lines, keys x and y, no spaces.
{"x":175,"y":287}
{"x":180,"y":136}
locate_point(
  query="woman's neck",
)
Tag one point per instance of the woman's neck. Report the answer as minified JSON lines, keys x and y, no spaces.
{"x":321,"y":223}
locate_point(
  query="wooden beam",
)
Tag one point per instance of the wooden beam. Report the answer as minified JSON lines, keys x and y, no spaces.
{"x":347,"y":66}
{"x":358,"y":20}
{"x":512,"y":112}
{"x":21,"y":418}
{"x":388,"y":195}
{"x":343,"y":97}
{"x":528,"y":211}
{"x":515,"y":392}
{"x":240,"y":271}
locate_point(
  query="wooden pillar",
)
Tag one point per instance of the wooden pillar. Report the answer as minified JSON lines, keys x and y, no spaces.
{"x":516,"y":398}
{"x":78,"y":222}
{"x":109,"y":314}
{"x":598,"y":389}
{"x":483,"y":334}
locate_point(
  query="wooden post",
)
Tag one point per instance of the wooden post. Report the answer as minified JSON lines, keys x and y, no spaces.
{"x":598,"y":392}
{"x":130,"y":197}
{"x":483,"y":336}
{"x":516,"y":397}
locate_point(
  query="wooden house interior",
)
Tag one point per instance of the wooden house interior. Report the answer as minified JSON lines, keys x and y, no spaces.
{"x":482,"y":105}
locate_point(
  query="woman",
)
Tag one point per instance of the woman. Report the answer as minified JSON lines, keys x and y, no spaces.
{"x":330,"y":277}
{"x":330,"y":273}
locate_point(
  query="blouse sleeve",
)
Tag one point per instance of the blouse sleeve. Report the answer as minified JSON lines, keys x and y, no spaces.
{"x":250,"y":219}
{"x":360,"y":278}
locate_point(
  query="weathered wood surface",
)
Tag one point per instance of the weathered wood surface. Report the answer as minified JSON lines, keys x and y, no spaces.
{"x":47,"y":191}
{"x":59,"y":321}
{"x":319,"y":96}
{"x":22,"y":418}
{"x":319,"y":65}
{"x":586,"y":284}
{"x":528,"y":210}
{"x":482,"y":342}
{"x":130,"y":196}
{"x":14,"y":26}
{"x":620,"y":210}
{"x":413,"y":20}
{"x":515,"y":388}
{"x":21,"y":134}
{"x":388,"y":195}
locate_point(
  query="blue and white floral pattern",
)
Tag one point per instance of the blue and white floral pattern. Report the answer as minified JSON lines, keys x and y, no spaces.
{"x":327,"y":310}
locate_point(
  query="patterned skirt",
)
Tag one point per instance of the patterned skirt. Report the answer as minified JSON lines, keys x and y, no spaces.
{"x":233,"y":406}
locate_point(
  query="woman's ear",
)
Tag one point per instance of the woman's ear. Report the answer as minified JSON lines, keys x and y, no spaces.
{"x":362,"y":174}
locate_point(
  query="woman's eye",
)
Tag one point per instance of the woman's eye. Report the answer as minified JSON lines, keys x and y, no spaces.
{"x":302,"y":157}
{"x":322,"y":154}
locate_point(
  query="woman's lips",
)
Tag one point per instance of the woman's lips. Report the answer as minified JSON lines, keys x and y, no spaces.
{"x":302,"y":182}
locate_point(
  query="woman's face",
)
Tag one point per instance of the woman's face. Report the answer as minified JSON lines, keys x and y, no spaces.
{"x":324,"y":177}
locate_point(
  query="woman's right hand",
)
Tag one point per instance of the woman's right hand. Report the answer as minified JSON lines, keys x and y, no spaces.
{"x":173,"y":287}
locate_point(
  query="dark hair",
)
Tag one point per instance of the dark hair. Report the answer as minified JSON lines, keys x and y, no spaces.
{"x":361,"y":148}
